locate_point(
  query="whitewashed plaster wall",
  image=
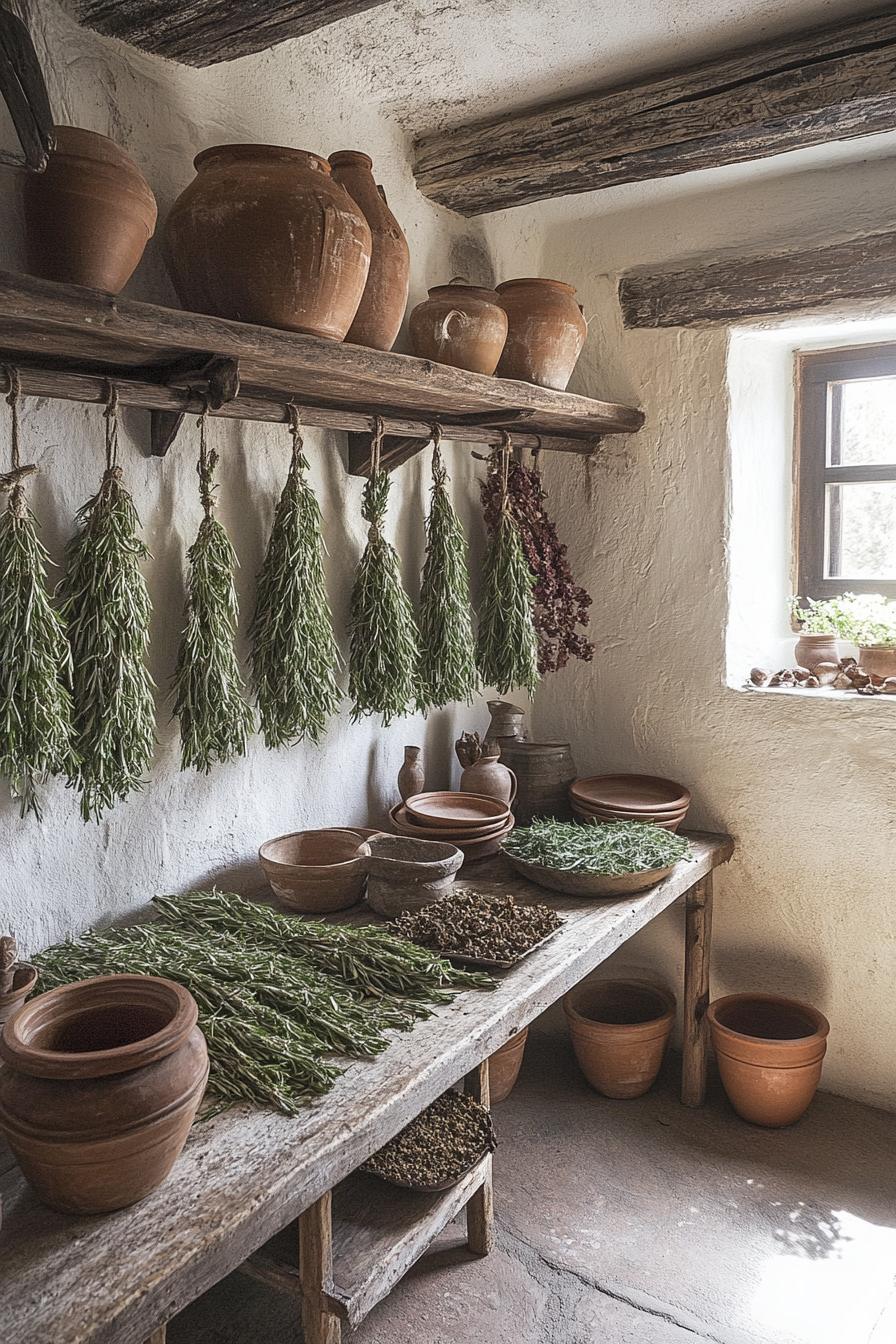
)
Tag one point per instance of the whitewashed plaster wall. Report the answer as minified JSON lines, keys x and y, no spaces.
{"x":185,"y":829}
{"x":806,"y":907}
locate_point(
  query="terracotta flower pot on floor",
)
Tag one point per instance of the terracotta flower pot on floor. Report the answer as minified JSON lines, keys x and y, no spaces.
{"x":619,"y":1030}
{"x":504,"y":1066}
{"x":770,"y":1051}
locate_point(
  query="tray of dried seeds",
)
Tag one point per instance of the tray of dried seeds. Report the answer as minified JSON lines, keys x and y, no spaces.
{"x":470,"y":928}
{"x":439,"y":1147}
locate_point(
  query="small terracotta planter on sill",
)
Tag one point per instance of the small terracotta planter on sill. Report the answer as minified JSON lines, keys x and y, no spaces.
{"x":770,"y":1051}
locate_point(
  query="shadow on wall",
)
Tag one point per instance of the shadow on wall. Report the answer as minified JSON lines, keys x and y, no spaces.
{"x":764,"y":968}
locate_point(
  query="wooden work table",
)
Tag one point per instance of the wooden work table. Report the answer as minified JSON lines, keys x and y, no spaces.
{"x":244,"y":1176}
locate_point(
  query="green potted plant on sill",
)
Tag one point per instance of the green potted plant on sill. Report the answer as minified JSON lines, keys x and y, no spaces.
{"x":868,"y":620}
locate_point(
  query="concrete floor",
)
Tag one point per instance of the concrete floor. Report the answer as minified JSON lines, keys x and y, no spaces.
{"x":639,"y":1222}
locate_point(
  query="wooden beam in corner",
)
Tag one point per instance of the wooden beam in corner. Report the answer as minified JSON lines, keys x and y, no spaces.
{"x":727,"y":291}
{"x":832,"y":83}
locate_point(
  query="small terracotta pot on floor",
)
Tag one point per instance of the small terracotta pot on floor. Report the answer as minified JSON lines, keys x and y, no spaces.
{"x":620,"y":1030}
{"x":770,"y":1051}
{"x":504,"y":1066}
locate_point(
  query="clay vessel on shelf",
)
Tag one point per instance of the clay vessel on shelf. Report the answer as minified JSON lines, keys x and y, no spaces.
{"x":487,"y":776}
{"x":263,"y":234}
{"x":504,"y":1066}
{"x":411,"y":776}
{"x":814,"y":649}
{"x":882,"y":662}
{"x":24,"y":978}
{"x":506,"y":723}
{"x":619,"y":1029}
{"x":100,"y":1084}
{"x":770,"y":1051}
{"x":545,"y":332}
{"x":467,"y":749}
{"x":89,"y":215}
{"x":544,"y":772}
{"x":378,"y":319}
{"x":461,"y":325}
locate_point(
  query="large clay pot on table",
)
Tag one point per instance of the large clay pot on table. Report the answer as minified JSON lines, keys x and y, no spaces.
{"x":89,"y":214}
{"x":99,"y":1086}
{"x":545,"y":332}
{"x":263,"y":234}
{"x":461,"y":325}
{"x":378,"y":319}
{"x":770,"y":1051}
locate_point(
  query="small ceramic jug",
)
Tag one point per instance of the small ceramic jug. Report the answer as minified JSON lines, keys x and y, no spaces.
{"x":489,"y":777}
{"x":410,"y":777}
{"x":507,"y":722}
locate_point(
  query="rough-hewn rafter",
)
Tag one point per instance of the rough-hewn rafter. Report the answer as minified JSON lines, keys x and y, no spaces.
{"x":830,"y":84}
{"x":205,"y":32}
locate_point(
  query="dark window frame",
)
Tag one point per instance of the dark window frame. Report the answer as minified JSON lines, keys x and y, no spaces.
{"x":814,"y":372}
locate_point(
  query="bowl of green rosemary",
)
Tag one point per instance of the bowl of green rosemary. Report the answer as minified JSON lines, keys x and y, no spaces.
{"x":618,"y":859}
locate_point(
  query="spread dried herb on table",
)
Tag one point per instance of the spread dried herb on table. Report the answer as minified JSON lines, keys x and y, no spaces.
{"x":294,"y":655}
{"x":215,"y":720}
{"x":104,"y":605}
{"x":35,"y":661}
{"x":612,"y":849}
{"x":437,"y":1147}
{"x":506,"y":648}
{"x":470,"y":924}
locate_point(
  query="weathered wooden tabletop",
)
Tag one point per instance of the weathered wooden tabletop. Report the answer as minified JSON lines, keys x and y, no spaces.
{"x":247,"y":1173}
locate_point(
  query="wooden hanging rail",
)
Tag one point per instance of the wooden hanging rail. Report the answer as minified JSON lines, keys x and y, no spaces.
{"x":69,"y":342}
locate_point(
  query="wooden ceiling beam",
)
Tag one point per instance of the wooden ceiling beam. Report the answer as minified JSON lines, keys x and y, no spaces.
{"x":828,"y":84}
{"x":206,"y":32}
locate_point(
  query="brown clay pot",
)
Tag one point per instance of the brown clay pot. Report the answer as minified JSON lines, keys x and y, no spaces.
{"x":504,"y":1066}
{"x":814,"y":649}
{"x":378,"y":319}
{"x":506,"y":724}
{"x":489,"y":778}
{"x":24,"y":978}
{"x":89,"y":215}
{"x":545,"y":332}
{"x":411,"y":776}
{"x":99,"y":1086}
{"x":882,"y":662}
{"x":544,"y":772}
{"x":461,"y":325}
{"x":315,"y":872}
{"x":263,"y":234}
{"x":619,"y":1029}
{"x":770,"y":1051}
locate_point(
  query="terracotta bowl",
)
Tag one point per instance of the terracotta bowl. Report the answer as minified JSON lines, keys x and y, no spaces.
{"x":456,"y":811}
{"x":606,"y":819}
{"x":407,"y":874}
{"x":588,"y":884}
{"x":619,"y":1030}
{"x":410,"y":826}
{"x":474,"y":848}
{"x":315,"y":871}
{"x":634,"y":793}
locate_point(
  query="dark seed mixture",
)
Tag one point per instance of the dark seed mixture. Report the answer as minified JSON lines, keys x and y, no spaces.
{"x":442,"y":1143}
{"x":467,"y":923}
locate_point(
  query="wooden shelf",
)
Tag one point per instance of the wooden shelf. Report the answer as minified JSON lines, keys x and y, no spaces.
{"x":68,"y":342}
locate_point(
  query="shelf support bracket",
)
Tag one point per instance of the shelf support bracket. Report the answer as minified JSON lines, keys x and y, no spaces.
{"x":396,"y":449}
{"x":217,"y":378}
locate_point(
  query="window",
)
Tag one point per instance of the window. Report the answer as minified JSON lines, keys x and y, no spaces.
{"x":846,"y":472}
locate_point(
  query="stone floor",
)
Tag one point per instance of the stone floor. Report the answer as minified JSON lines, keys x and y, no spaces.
{"x":639,"y":1222}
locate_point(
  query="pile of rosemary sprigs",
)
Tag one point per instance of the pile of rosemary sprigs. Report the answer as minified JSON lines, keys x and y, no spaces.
{"x":611,"y":850}
{"x":276,"y":994}
{"x":442,"y":1143}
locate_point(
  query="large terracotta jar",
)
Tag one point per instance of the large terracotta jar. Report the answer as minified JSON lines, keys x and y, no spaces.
{"x":385,"y":297}
{"x":99,"y":1086}
{"x":461,"y":325}
{"x":545,"y":332}
{"x":770,"y":1051}
{"x":263,"y":234}
{"x":619,"y":1030}
{"x":89,"y":215}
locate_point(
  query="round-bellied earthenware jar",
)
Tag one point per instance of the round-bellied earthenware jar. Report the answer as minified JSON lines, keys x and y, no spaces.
{"x":461,"y":325}
{"x":545,"y":331}
{"x":378,"y":319}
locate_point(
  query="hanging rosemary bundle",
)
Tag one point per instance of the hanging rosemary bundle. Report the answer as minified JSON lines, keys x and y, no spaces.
{"x":447,"y":650}
{"x":35,"y":707}
{"x":506,"y":650}
{"x":384,"y":650}
{"x":105,"y":609}
{"x":294,"y":654}
{"x":215,"y":720}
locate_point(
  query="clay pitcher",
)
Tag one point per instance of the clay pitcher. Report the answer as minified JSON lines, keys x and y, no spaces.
{"x":89,"y":215}
{"x":506,"y":723}
{"x":411,"y":778}
{"x":545,"y":332}
{"x":378,"y":319}
{"x":263,"y":234}
{"x":461,"y":325}
{"x":488,"y":777}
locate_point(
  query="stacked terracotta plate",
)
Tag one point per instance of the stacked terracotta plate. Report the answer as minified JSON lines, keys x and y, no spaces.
{"x":472,"y":822}
{"x":630,"y":798}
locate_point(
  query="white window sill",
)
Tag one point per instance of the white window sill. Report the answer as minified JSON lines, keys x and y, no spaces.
{"x":818,"y":693}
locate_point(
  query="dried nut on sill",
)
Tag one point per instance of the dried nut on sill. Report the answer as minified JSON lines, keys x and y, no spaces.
{"x":827,"y":673}
{"x":801,"y":674}
{"x":889,"y":686}
{"x":811,"y":683}
{"x":759,"y":676}
{"x":842,"y":682}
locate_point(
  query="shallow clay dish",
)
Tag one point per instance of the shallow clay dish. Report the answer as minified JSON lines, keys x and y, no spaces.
{"x":456,"y":810}
{"x":607,"y":819}
{"x":401,"y":815}
{"x":635,"y":793}
{"x":315,"y":872}
{"x":629,"y":814}
{"x":588,"y":884}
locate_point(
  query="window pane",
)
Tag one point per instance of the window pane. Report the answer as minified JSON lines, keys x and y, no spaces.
{"x":862,"y":422}
{"x":860,"y":530}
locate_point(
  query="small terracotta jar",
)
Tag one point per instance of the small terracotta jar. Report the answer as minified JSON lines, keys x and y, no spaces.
{"x":489,"y":778}
{"x":411,"y":776}
{"x":378,"y":319}
{"x":461,"y":325}
{"x":504,"y":1067}
{"x":24,"y":978}
{"x":100,"y":1084}
{"x":545,"y":332}
{"x":506,"y":723}
{"x":620,"y":1030}
{"x":880,"y":661}
{"x":263,"y":234}
{"x":814,"y":649}
{"x":89,"y":214}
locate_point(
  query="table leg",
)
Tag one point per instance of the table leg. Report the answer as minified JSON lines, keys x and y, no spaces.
{"x":316,"y":1272}
{"x":698,"y":941}
{"x":158,"y":1336}
{"x":480,"y":1206}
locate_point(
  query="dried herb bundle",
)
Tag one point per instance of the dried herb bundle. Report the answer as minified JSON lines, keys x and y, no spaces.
{"x":384,"y":651}
{"x":215,"y":720}
{"x":35,"y":706}
{"x":506,"y":651}
{"x":560,"y":604}
{"x":447,"y":649}
{"x":272,"y":1003}
{"x":105,"y":608}
{"x":294,"y":654}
